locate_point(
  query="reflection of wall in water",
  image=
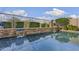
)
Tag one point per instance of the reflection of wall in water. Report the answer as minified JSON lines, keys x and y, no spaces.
{"x":34,"y":37}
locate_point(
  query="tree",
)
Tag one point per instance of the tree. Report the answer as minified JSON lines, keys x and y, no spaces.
{"x":62,"y":21}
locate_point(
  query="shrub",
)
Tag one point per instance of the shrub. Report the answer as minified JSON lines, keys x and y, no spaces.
{"x":34,"y":24}
{"x":19,"y":24}
{"x":65,"y":28}
{"x":43,"y":25}
{"x":7,"y":24}
{"x":71,"y":27}
{"x":47,"y":25}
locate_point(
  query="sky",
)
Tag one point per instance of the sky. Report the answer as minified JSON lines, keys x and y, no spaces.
{"x":42,"y":12}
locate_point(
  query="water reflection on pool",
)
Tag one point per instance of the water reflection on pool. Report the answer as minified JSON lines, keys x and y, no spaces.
{"x":42,"y":42}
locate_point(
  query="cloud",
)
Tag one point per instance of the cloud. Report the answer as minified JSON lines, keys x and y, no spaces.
{"x":55,"y":12}
{"x":42,"y":17}
{"x":18,"y":12}
{"x":73,"y":16}
{"x":45,"y":17}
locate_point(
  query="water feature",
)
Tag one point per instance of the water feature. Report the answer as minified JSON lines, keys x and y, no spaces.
{"x":61,"y":41}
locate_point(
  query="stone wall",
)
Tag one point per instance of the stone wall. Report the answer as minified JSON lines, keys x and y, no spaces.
{"x":13,"y":32}
{"x":7,"y":33}
{"x":36,"y":31}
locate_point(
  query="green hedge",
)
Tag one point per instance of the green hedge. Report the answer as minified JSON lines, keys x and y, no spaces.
{"x":7,"y":25}
{"x":47,"y":25}
{"x":43,"y":25}
{"x":34,"y":24}
{"x":71,"y":27}
{"x":19,"y":24}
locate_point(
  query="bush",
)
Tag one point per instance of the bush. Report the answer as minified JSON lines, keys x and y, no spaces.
{"x":7,"y":24}
{"x":43,"y":25}
{"x":19,"y":24}
{"x":47,"y":25}
{"x":34,"y":24}
{"x":65,"y":28}
{"x":71,"y":27}
{"x":57,"y":28}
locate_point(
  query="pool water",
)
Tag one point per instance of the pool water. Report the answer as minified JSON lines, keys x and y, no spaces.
{"x":61,"y":41}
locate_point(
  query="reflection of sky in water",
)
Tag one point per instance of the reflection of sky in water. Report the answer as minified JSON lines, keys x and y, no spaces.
{"x":42,"y":42}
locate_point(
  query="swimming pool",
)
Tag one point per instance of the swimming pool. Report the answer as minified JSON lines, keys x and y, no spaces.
{"x":61,"y":41}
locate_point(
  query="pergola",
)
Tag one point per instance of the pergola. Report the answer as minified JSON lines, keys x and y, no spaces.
{"x":4,"y":17}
